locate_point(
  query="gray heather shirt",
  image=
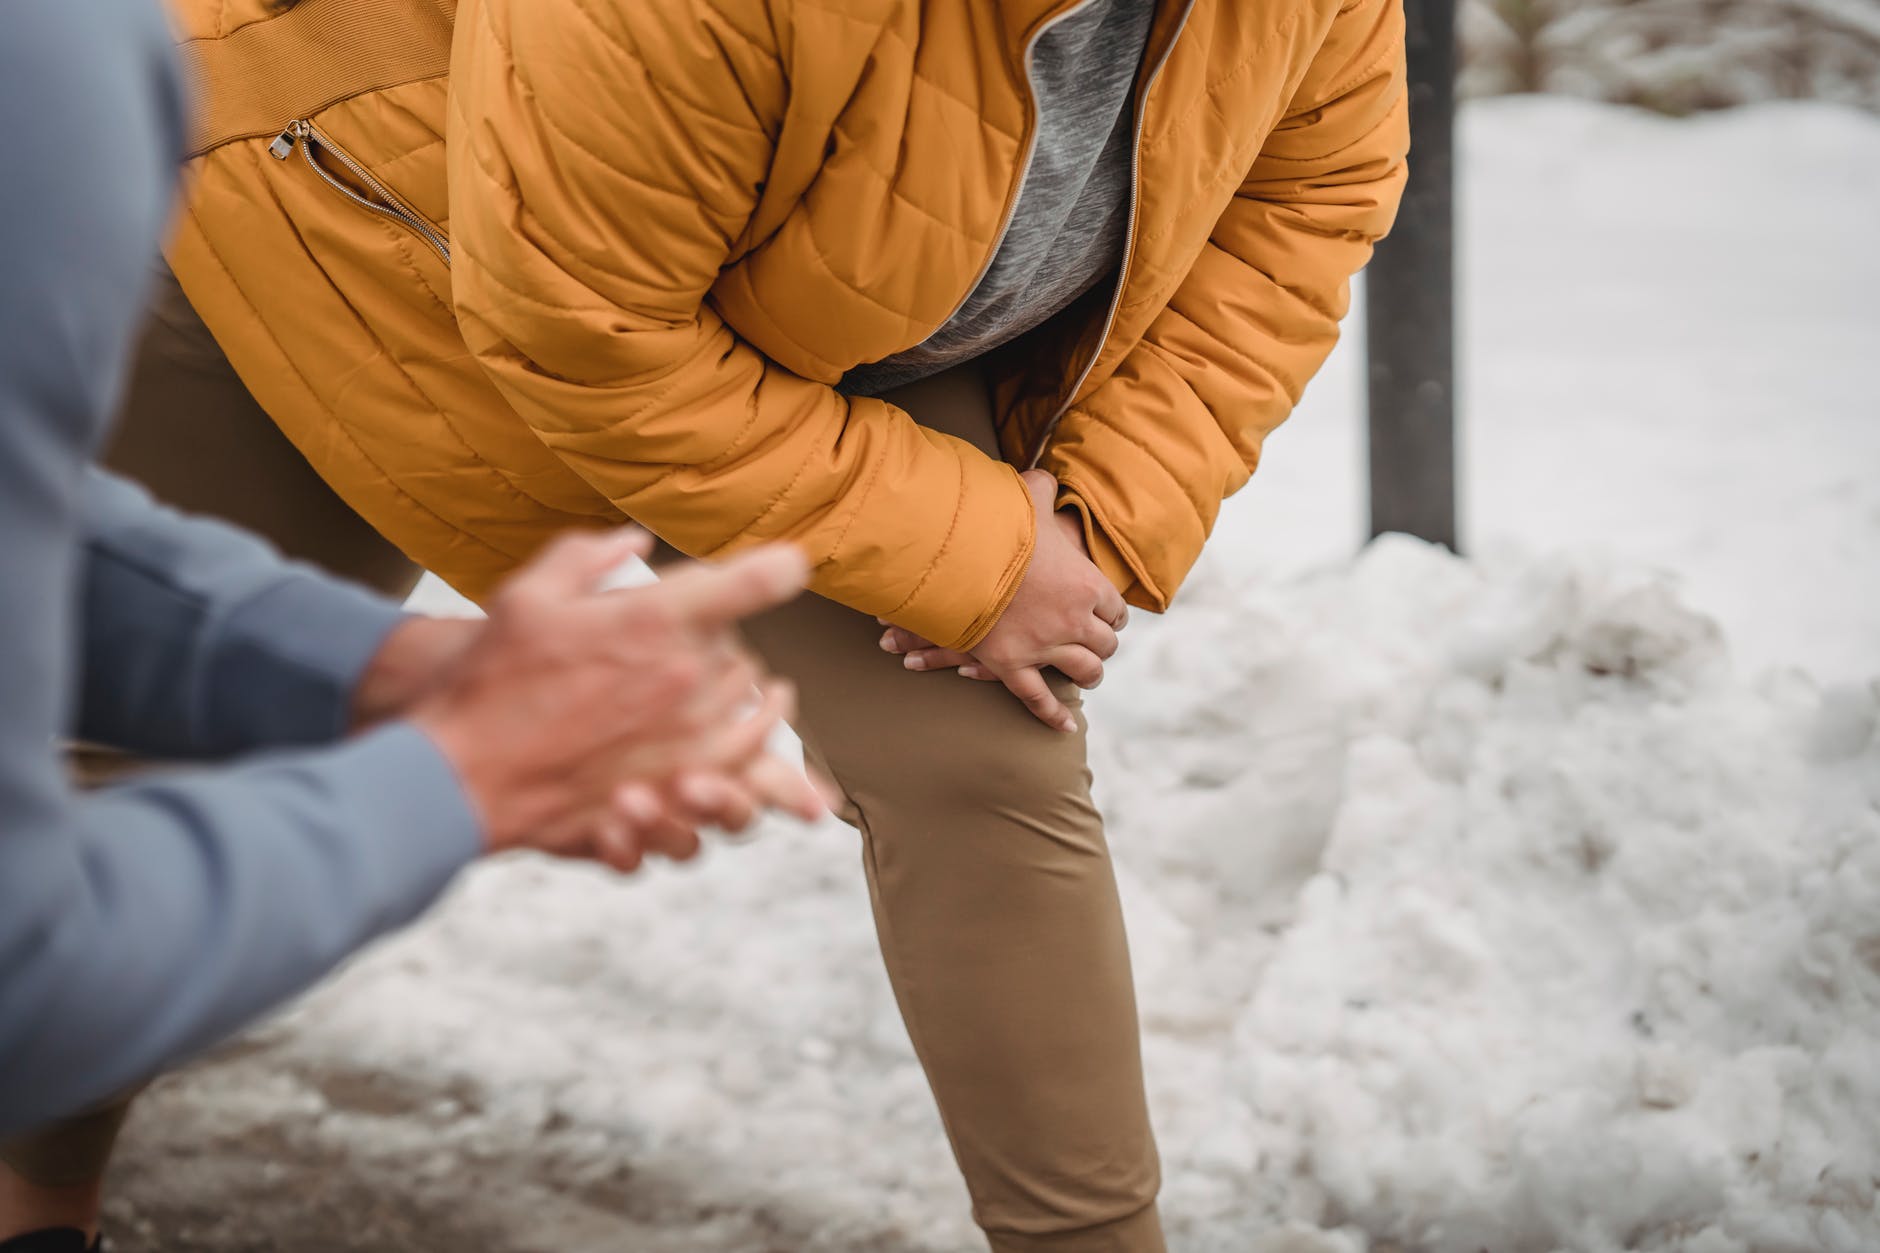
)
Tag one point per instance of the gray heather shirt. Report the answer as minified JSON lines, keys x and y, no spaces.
{"x":140,"y":923}
{"x":1066,"y":231}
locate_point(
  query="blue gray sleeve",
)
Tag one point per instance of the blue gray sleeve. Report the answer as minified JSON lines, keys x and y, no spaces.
{"x":200,"y":642}
{"x":145,"y":922}
{"x":141,"y":923}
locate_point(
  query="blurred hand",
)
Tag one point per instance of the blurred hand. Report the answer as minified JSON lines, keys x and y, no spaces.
{"x":412,"y":661}
{"x":1065,"y":614}
{"x":607,"y":724}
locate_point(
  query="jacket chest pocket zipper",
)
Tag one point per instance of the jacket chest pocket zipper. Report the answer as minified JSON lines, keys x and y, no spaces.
{"x":375,"y":196}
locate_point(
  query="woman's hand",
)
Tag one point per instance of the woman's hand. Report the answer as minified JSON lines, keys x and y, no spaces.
{"x":1064,"y":615}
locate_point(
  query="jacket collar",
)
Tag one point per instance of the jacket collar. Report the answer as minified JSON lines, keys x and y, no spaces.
{"x":1023,"y":18}
{"x":1020,"y":21}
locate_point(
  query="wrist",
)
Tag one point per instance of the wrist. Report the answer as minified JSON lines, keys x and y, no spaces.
{"x":483,"y":795}
{"x":510,"y":798}
{"x":1095,"y":543}
{"x":409,"y":662}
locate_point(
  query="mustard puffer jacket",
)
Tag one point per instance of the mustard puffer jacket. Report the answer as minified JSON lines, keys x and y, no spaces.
{"x":500,"y":267}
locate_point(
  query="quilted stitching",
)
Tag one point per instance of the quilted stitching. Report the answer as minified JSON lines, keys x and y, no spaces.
{"x":595,"y":284}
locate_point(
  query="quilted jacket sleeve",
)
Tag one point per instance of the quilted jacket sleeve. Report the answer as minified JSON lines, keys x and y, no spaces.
{"x":1254,"y":319}
{"x":604,"y":159}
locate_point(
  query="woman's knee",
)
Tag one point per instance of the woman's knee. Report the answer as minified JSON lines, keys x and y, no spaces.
{"x":969,"y":772}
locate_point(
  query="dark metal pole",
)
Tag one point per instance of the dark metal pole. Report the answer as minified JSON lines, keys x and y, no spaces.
{"x":1410,"y":309}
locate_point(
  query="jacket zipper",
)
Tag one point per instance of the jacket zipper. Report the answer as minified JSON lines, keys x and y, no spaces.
{"x":303,"y":135}
{"x":1024,"y":169}
{"x":1129,"y":242}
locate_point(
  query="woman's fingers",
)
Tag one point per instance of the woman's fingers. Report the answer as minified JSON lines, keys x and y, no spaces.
{"x":1028,"y":684}
{"x":901,"y":640}
{"x":1076,"y":663}
{"x":920,"y":654}
{"x":936,"y":659}
{"x":1100,"y":638}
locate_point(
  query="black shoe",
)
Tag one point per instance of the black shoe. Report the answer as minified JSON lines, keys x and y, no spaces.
{"x":52,"y":1240}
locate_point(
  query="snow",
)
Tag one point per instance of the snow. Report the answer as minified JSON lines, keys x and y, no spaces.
{"x":1670,"y":333}
{"x":1523,"y":902}
{"x":1580,"y":939}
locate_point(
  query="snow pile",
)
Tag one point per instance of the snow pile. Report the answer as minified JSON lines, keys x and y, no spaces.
{"x":1473,"y":907}
{"x":1582,"y":942}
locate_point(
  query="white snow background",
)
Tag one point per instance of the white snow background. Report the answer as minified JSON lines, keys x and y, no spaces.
{"x":1523,"y":902}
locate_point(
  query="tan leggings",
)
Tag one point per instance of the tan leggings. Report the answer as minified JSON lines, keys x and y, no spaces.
{"x":994,"y":899}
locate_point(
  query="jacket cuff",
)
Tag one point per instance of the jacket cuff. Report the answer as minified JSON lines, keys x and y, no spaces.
{"x":408,"y":796}
{"x":1103,"y":551}
{"x":1148,"y":535}
{"x":284,"y":664}
{"x":980,"y":564}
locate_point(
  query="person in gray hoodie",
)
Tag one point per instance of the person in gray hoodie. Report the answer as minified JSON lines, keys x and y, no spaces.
{"x":375,"y":754}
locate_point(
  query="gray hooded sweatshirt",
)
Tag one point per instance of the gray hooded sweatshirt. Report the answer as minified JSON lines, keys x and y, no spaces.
{"x":141,"y":923}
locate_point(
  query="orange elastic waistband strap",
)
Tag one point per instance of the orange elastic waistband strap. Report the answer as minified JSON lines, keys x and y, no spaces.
{"x":257,"y":79}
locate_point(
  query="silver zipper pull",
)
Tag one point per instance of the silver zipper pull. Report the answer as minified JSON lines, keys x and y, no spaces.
{"x":283,"y":145}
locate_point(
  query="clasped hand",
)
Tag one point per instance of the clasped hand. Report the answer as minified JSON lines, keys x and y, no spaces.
{"x":587,"y":722}
{"x":1065,"y":615}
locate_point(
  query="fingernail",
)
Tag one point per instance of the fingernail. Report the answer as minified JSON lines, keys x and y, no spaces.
{"x":887,"y":642}
{"x":1068,"y":726}
{"x":915,"y":663}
